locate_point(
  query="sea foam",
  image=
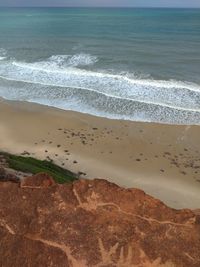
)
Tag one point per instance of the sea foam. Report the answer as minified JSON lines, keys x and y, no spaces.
{"x":60,"y":79}
{"x":63,"y":61}
{"x":3,"y":54}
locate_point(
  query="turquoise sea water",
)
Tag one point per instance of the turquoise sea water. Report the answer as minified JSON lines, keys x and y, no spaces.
{"x":137,"y":64}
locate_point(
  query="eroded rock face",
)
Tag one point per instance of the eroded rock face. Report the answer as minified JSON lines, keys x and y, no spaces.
{"x":92,"y":223}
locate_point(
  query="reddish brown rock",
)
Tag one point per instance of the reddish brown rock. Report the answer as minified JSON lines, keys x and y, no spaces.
{"x":92,"y":223}
{"x":42,"y":180}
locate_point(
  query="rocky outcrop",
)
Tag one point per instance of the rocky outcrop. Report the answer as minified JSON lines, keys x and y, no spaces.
{"x":92,"y":223}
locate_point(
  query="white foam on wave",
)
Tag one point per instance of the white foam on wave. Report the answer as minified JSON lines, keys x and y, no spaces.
{"x":82,"y":60}
{"x":59,"y":62}
{"x":3,"y":54}
{"x":49,"y":68}
{"x":95,"y":103}
{"x":64,"y":61}
{"x":62,"y":81}
{"x":61,"y":71}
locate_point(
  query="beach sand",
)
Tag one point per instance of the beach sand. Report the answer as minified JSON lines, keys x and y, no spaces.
{"x":163,"y":160}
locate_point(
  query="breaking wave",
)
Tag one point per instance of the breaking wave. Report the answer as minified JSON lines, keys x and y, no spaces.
{"x":62,"y":82}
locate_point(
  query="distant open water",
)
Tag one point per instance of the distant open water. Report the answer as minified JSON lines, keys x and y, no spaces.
{"x":134,"y":64}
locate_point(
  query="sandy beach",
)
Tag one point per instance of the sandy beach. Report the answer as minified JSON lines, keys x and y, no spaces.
{"x":163,"y":160}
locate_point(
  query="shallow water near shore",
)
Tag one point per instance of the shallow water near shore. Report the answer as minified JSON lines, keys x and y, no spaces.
{"x":133,"y":64}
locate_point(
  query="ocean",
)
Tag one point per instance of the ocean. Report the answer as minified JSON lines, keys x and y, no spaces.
{"x":123,"y":63}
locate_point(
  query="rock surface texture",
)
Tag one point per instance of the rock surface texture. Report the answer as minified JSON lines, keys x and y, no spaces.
{"x":92,"y":223}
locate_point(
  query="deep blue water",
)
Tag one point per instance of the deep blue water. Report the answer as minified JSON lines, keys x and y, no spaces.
{"x":138,"y":64}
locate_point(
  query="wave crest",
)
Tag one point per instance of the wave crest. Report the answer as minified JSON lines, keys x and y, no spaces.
{"x":72,"y":60}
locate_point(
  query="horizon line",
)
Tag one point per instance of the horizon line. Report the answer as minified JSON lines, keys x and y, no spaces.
{"x":147,"y":7}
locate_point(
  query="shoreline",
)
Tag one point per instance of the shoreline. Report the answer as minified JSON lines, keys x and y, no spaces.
{"x":160,"y":159}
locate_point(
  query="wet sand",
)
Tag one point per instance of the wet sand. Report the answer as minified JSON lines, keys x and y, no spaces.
{"x":163,"y":160}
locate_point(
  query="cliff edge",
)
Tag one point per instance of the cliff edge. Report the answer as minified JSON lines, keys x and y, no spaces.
{"x":92,"y":223}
